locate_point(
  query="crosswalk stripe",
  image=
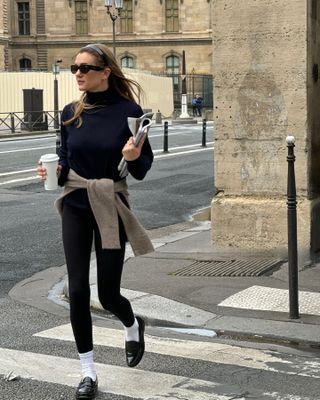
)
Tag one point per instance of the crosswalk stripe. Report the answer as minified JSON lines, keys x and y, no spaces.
{"x":278,"y":396}
{"x":123,"y":381}
{"x":112,"y":379}
{"x":220,"y":353}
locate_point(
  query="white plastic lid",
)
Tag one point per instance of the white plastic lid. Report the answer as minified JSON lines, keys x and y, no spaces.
{"x":49,"y":157}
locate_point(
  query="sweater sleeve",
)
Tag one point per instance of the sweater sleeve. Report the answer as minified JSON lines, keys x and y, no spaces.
{"x":63,"y":152}
{"x":139,"y":167}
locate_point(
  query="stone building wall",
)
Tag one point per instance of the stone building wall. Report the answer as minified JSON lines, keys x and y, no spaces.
{"x":148,"y":44}
{"x":260,"y":71}
{"x":3,"y":33}
{"x":2,"y":39}
{"x":262,"y":66}
{"x":1,"y":18}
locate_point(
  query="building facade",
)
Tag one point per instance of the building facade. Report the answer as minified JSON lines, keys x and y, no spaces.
{"x":150,"y":35}
{"x":4,"y":34}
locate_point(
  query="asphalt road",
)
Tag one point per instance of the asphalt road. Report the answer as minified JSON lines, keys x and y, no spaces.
{"x":179,"y":183}
{"x":35,"y":344}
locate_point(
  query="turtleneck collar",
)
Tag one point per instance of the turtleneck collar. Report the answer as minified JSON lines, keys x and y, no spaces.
{"x":108,"y":96}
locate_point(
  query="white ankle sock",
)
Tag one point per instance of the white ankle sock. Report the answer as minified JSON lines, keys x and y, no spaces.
{"x":132,"y":333}
{"x":87,"y":365}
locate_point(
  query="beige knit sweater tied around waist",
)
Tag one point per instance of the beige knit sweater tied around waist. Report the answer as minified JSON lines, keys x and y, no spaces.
{"x":106,"y":205}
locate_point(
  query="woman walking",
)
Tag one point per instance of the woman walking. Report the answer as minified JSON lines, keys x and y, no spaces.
{"x":94,"y":205}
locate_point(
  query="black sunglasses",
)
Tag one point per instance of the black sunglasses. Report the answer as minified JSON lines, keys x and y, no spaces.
{"x":84,"y":68}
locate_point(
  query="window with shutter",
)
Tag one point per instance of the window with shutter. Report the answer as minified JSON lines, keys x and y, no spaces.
{"x":172,"y":16}
{"x":126,"y":17}
{"x":81,"y":15}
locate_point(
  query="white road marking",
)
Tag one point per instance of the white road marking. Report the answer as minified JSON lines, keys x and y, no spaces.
{"x":272,"y":299}
{"x":23,"y":171}
{"x":278,"y":396}
{"x":33,"y":138}
{"x":207,"y":351}
{"x":149,"y":385}
{"x":27,"y":149}
{"x":12,"y":173}
{"x":31,"y":178}
{"x":182,"y":147}
{"x":156,"y":135}
{"x":124,"y":381}
{"x":170,"y":134}
{"x":181,"y":153}
{"x":157,"y":157}
{"x":53,"y":146}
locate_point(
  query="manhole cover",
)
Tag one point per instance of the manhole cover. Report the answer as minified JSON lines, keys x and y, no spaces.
{"x":231,"y":267}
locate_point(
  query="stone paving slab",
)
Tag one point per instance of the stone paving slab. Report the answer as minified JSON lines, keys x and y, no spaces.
{"x":159,"y":309}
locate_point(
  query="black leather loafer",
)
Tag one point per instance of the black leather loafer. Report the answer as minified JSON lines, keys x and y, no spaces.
{"x":87,"y":388}
{"x":135,"y":350}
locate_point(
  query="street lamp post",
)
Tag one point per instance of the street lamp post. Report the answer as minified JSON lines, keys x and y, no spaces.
{"x":184,"y":104}
{"x":113,"y":9}
{"x":193,"y":73}
{"x":56,"y":71}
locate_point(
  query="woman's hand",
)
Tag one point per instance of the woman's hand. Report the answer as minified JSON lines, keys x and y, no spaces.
{"x":130,"y":151}
{"x":42,"y":172}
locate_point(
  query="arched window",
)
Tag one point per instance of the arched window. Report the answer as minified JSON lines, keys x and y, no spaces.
{"x":24,"y":64}
{"x":127,"y":62}
{"x":172,"y":68}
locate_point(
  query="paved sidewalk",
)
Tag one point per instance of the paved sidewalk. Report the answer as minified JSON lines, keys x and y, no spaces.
{"x":254,"y":308}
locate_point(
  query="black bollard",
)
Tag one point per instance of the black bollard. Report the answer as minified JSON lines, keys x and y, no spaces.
{"x":204,"y":133}
{"x":58,"y":141}
{"x":292,"y":232}
{"x":158,"y":117}
{"x":165,"y":137}
{"x":12,"y":123}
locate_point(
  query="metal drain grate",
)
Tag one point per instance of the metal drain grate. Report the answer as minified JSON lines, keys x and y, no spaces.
{"x":244,"y":267}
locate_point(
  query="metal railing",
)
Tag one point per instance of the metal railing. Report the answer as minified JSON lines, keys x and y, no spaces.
{"x":29,"y":121}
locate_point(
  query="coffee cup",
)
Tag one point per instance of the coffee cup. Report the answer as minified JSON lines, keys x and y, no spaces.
{"x":50,"y":163}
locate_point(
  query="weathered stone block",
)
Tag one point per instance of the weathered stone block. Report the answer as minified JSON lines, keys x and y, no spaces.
{"x":257,"y":223}
{"x":262,"y":51}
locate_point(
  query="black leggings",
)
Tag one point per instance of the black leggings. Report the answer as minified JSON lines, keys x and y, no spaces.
{"x":78,"y":226}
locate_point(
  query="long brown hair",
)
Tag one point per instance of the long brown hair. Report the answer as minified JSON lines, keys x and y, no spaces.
{"x":125,"y":87}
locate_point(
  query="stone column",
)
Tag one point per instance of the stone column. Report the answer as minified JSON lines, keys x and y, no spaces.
{"x":4,"y":35}
{"x":262,"y":67}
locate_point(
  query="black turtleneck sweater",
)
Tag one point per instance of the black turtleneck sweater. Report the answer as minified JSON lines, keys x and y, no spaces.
{"x":93,"y":151}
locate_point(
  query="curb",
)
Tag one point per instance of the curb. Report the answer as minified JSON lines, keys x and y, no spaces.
{"x":263,"y":330}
